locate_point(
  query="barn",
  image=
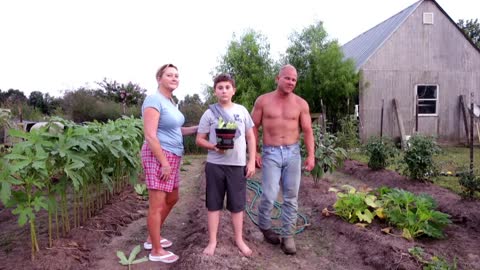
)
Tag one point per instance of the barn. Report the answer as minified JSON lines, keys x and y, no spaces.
{"x":417,"y":73}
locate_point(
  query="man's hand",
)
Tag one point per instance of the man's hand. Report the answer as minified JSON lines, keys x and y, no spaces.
{"x":309,"y":163}
{"x":258,"y":160}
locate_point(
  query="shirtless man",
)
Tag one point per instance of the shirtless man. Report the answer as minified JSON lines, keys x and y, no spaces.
{"x":283,"y":116}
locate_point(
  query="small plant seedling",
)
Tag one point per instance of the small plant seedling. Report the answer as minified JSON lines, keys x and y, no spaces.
{"x":186,"y":162}
{"x":141,"y":190}
{"x":131,"y":258}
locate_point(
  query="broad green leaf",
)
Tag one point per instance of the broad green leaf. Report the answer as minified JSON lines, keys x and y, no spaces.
{"x":13,"y":156}
{"x":18,"y":166}
{"x":365,"y":216}
{"x":349,"y":188}
{"x":40,"y":202}
{"x":5,"y":192}
{"x":24,"y":214}
{"x":370,"y":201}
{"x":123,"y":259}
{"x":406,"y":234}
{"x":134,"y":253}
{"x":332,"y":189}
{"x":380,"y":213}
{"x":144,"y":259}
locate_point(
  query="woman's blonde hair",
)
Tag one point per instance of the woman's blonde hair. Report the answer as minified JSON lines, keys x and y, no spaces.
{"x":161,"y":70}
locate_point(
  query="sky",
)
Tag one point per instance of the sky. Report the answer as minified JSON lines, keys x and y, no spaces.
{"x":56,"y":45}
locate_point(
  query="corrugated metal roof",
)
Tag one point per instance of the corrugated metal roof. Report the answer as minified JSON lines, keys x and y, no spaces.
{"x":361,"y":48}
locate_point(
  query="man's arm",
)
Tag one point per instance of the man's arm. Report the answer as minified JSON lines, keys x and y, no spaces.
{"x":306,"y":125}
{"x":251,"y":153}
{"x":257,"y":113}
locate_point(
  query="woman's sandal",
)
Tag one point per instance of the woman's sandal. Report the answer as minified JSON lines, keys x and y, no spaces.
{"x":165,"y":243}
{"x":164,"y":258}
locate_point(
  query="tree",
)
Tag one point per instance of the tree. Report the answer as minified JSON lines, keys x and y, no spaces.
{"x":12,"y":96}
{"x":36,"y":100}
{"x":193,"y":108}
{"x":128,"y":94}
{"x":323,"y":75}
{"x":471,"y":29}
{"x":14,"y":99}
{"x":248,"y":61}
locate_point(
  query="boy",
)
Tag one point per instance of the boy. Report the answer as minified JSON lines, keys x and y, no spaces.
{"x":225,"y":170}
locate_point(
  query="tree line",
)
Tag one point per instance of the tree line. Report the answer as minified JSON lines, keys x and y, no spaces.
{"x":326,"y":80}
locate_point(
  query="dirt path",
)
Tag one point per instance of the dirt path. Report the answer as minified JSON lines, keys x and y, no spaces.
{"x":187,"y":228}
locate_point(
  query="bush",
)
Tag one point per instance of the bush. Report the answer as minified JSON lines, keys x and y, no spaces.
{"x":347,"y":137}
{"x":419,"y":157}
{"x":379,"y":151}
{"x":470,"y":183}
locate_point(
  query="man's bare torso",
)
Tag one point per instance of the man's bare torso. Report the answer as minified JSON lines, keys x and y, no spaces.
{"x":280,"y":119}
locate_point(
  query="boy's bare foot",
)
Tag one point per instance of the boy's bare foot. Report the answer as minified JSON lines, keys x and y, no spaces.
{"x":246,"y":251}
{"x":210,"y":249}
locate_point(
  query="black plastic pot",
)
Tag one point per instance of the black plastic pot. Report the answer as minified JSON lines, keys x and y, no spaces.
{"x":225,"y":138}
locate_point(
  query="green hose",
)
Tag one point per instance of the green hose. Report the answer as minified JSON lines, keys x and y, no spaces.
{"x":256,"y":187}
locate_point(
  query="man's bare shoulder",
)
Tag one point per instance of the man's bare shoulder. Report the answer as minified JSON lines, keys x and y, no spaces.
{"x":263,"y":98}
{"x":300,"y":101}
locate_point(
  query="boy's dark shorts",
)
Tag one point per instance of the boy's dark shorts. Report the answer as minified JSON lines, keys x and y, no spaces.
{"x":227,"y":179}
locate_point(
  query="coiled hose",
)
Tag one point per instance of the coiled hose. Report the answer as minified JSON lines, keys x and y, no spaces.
{"x":256,"y":187}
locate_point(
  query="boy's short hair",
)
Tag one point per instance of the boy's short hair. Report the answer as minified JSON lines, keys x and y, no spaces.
{"x":223,"y":77}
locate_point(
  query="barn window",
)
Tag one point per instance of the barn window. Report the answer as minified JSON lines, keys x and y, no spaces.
{"x":428,"y":18}
{"x":427,"y":99}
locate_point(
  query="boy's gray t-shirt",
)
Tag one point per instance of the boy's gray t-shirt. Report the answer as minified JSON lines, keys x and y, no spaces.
{"x":238,"y":155}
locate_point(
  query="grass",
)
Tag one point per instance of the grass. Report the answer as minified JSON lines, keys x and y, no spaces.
{"x":452,"y":159}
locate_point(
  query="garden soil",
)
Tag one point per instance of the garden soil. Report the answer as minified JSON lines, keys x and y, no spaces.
{"x":327,"y":242}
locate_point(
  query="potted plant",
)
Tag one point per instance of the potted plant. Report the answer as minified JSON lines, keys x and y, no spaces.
{"x":225,"y":132}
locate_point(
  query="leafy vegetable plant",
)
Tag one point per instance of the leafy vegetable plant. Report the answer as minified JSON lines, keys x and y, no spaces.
{"x":431,"y":262}
{"x":379,"y":151}
{"x":414,"y":214}
{"x":141,"y":190}
{"x":355,"y":206}
{"x":419,"y":157}
{"x":328,"y":157}
{"x":470,"y":183}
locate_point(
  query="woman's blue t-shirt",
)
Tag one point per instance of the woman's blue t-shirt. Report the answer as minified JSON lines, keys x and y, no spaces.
{"x":171,"y":120}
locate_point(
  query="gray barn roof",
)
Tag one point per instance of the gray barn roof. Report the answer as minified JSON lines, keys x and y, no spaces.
{"x":365,"y":45}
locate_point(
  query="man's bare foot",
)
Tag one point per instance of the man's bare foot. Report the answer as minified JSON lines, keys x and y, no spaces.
{"x":246,"y":251}
{"x":210,"y":249}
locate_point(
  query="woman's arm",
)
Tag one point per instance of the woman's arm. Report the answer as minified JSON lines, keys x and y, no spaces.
{"x":189,"y":130}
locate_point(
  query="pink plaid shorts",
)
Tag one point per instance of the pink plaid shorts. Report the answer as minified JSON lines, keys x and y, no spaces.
{"x":153,"y":172}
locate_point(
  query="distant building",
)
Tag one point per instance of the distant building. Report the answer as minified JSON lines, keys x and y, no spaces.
{"x":419,"y":52}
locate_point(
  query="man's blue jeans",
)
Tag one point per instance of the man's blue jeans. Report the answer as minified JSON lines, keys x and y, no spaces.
{"x":281,"y":166}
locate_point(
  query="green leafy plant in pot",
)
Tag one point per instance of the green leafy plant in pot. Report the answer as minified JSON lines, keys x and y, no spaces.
{"x":225,"y":132}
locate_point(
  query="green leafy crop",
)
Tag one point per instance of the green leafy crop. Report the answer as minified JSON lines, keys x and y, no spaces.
{"x":226,"y":125}
{"x":414,"y":214}
{"x":355,"y":206}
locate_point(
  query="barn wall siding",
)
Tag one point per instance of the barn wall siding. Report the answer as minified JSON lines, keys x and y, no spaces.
{"x":420,"y":54}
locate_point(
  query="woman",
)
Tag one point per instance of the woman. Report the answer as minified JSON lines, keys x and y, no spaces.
{"x":161,"y":157}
